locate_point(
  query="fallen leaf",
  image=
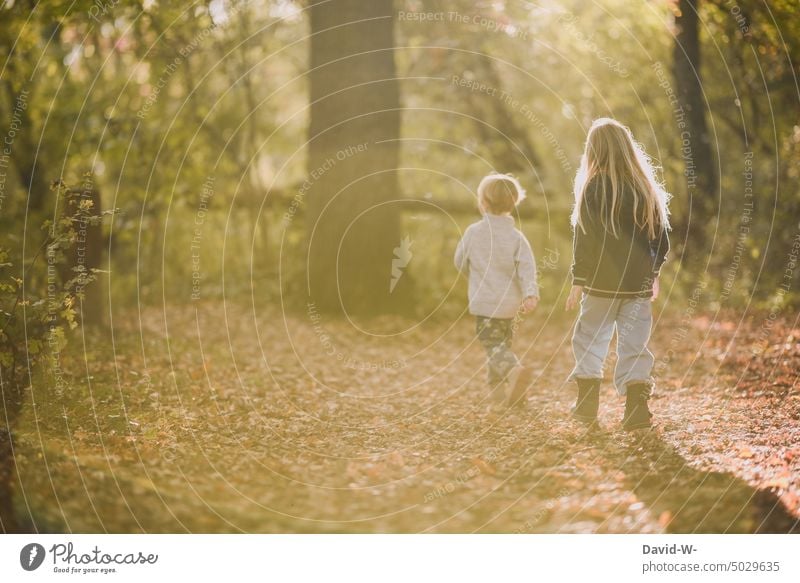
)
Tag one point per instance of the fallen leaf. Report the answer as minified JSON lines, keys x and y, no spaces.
{"x":483,"y":466}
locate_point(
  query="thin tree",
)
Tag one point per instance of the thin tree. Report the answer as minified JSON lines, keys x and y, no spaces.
{"x":700,"y":164}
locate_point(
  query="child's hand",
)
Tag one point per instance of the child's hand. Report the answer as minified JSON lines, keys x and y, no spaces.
{"x":529,"y":304}
{"x":656,"y":289}
{"x":574,"y":297}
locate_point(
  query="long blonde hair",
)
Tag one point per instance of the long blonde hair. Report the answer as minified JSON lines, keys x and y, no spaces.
{"x":612,"y":152}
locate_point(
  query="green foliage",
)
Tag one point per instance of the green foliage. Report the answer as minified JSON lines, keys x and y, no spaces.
{"x":563,"y":64}
{"x":155,"y":98}
{"x":37,"y":301}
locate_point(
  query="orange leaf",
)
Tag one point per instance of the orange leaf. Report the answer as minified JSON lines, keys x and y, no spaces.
{"x":483,"y":466}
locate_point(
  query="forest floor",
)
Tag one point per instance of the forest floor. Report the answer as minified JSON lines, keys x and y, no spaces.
{"x":203,"y":418}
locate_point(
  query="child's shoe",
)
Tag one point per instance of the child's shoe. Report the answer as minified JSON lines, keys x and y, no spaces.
{"x":588,"y":401}
{"x":637,"y":414}
{"x":497,"y":397}
{"x":519,"y":381}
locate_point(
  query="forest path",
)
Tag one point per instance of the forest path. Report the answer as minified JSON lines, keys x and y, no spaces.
{"x":297,"y":423}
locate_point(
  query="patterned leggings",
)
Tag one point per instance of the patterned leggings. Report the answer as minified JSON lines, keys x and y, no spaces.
{"x":495,"y":335}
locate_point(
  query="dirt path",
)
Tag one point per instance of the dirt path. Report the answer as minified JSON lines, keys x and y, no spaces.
{"x":300,"y":424}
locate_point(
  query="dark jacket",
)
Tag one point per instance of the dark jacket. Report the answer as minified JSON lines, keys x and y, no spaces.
{"x":615,"y":267}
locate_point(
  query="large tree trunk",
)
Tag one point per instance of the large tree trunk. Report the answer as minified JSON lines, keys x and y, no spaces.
{"x":700,"y":165}
{"x":353,"y":224}
{"x":10,"y":408}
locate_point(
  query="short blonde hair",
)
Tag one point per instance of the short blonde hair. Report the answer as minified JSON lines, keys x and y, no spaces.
{"x":500,"y":193}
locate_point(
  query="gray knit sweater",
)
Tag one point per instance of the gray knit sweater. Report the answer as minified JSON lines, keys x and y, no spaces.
{"x":499,"y":263}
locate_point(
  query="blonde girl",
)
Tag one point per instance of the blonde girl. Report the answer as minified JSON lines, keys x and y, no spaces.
{"x":620,"y":223}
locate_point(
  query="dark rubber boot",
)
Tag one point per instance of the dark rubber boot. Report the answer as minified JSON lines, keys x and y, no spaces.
{"x":588,"y":401}
{"x":637,"y":414}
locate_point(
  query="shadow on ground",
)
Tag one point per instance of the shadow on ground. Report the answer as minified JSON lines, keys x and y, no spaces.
{"x":694,"y":501}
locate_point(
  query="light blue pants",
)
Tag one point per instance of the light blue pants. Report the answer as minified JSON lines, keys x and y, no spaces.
{"x":632,"y":319}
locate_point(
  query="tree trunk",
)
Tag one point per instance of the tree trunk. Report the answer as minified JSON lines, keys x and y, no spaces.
{"x":700,"y":164}
{"x":28,"y":160}
{"x":10,"y":407}
{"x":8,"y":520}
{"x":510,"y":146}
{"x":353,"y":225}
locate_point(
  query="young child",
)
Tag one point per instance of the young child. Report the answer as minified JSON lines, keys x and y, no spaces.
{"x":620,"y":224}
{"x":499,"y":263}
